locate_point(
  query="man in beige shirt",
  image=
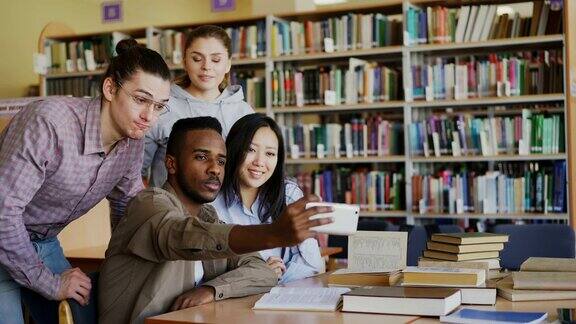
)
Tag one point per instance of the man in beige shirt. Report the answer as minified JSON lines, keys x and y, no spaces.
{"x":171,"y":252}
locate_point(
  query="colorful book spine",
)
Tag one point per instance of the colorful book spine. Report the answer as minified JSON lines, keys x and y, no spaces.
{"x":373,"y":190}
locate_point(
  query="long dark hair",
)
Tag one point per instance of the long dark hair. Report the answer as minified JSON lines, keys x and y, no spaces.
{"x":132,"y":58}
{"x":272,"y":194}
{"x":206,"y":31}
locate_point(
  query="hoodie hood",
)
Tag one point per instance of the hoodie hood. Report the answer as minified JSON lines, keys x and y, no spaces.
{"x":232,"y":94}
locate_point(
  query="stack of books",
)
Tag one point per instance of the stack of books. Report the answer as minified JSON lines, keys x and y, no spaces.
{"x":469,"y":278}
{"x":541,"y":279}
{"x":467,"y":247}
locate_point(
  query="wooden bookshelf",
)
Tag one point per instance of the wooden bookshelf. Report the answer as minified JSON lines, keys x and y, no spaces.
{"x":491,"y":101}
{"x":458,"y":159}
{"x":546,"y":40}
{"x":570,"y":88}
{"x":384,"y":213}
{"x":323,"y":108}
{"x":399,"y":56}
{"x":344,"y":160}
{"x":523,"y":216}
{"x":345,"y":54}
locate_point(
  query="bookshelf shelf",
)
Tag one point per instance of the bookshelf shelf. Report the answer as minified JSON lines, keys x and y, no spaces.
{"x":490,"y":101}
{"x":323,"y":108}
{"x":384,"y":213}
{"x":456,"y":159}
{"x":346,"y":54}
{"x":546,"y":40}
{"x":550,"y":216}
{"x":344,"y":160}
{"x":74,"y":74}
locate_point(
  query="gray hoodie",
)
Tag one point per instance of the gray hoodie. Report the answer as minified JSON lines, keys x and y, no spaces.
{"x":227,"y":108}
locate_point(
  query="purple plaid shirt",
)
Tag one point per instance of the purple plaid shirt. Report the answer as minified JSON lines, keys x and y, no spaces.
{"x":53,"y":169}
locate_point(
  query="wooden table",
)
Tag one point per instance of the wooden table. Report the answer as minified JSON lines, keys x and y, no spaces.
{"x":239,"y":311}
{"x":87,"y":259}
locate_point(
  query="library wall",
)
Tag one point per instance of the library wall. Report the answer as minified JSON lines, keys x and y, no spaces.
{"x":23,"y":21}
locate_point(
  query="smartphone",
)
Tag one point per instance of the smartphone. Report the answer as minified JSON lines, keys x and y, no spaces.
{"x":345,"y":218}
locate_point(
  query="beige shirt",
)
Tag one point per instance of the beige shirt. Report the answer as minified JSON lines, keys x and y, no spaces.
{"x":150,"y":259}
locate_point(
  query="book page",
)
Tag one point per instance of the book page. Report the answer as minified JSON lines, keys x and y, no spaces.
{"x":377,"y":251}
{"x":301,"y":298}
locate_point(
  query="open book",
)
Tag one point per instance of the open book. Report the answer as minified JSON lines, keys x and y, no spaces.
{"x":302,"y":298}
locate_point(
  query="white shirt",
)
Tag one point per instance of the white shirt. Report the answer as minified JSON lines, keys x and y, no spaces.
{"x":301,"y":261}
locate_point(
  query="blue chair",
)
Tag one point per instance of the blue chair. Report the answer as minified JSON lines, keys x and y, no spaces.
{"x":70,"y":312}
{"x":535,"y":240}
{"x":450,"y":228}
{"x":417,"y":237}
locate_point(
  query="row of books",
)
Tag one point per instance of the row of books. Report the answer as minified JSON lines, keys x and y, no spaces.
{"x":502,"y":74}
{"x":81,"y":55}
{"x":254,"y":87}
{"x":464,"y":134}
{"x":88,"y":86}
{"x":246,"y":42}
{"x":360,"y":82}
{"x":335,"y":34}
{"x":512,"y":189}
{"x":372,"y":190}
{"x":371,"y":136}
{"x":479,"y":23}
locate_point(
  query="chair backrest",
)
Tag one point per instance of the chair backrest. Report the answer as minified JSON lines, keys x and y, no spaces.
{"x":450,"y":228}
{"x":535,"y":240}
{"x":70,"y":311}
{"x":417,"y":237}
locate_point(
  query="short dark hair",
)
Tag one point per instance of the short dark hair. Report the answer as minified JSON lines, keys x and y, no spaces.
{"x":273,"y":192}
{"x":184,"y":125}
{"x":131,"y":58}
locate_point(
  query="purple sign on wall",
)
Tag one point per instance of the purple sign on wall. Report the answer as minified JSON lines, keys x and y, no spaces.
{"x":111,"y":11}
{"x":223,"y":5}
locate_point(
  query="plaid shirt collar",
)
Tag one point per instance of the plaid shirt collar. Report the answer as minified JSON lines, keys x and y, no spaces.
{"x":93,"y":130}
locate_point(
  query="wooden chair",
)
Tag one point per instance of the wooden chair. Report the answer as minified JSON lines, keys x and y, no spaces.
{"x":70,"y":312}
{"x":65,"y":313}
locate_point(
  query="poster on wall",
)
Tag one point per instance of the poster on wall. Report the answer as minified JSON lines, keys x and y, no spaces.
{"x":223,"y":5}
{"x":111,"y":11}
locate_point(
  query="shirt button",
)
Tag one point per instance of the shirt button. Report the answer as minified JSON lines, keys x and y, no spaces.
{"x":220,"y":295}
{"x":218,"y":247}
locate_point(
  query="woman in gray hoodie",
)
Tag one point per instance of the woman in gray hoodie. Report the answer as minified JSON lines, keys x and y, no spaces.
{"x":202,"y":91}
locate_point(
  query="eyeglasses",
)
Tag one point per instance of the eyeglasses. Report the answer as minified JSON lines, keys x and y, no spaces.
{"x":157,"y":107}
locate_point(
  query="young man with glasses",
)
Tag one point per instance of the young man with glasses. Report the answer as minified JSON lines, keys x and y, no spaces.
{"x":59,"y":157}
